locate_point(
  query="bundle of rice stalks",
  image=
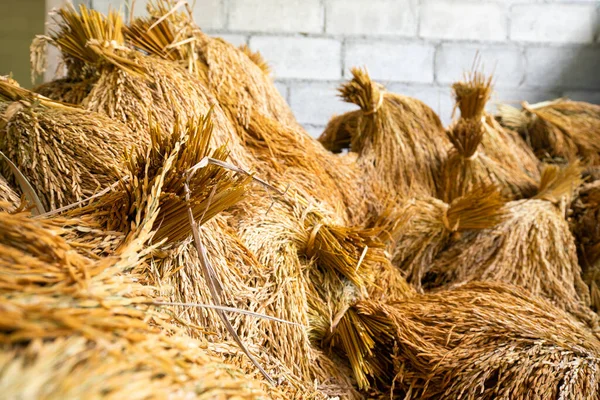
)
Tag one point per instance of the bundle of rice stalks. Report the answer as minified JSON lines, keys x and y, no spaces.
{"x":94,"y":311}
{"x":400,"y":141}
{"x":134,"y":88}
{"x":159,"y":175}
{"x":8,"y":197}
{"x":481,"y":341}
{"x":585,"y":227}
{"x":469,"y":165}
{"x":66,"y":153}
{"x":420,"y":228}
{"x":533,"y":248}
{"x":71,"y":36}
{"x":66,"y":90}
{"x":284,"y":152}
{"x":559,"y":129}
{"x":236,"y":77}
{"x":504,"y":146}
{"x":279,"y":239}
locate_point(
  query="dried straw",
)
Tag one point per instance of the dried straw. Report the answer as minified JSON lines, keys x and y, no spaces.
{"x":8,"y":196}
{"x":483,"y":154}
{"x":533,"y":248}
{"x":483,"y":341}
{"x":66,"y":153}
{"x":400,"y":141}
{"x":585,"y":227}
{"x":158,"y":175}
{"x":559,"y":129}
{"x":66,"y":90}
{"x":504,"y":146}
{"x":420,"y":228}
{"x":283,"y":151}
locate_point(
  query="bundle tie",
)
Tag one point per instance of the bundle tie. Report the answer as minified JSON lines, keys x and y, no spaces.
{"x":474,"y":155}
{"x":377,"y":106}
{"x":446,"y":221}
{"x":311,"y":240}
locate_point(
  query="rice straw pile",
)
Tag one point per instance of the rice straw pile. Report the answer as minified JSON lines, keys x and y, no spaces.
{"x":199,"y":243}
{"x":585,"y":227}
{"x":558,"y":130}
{"x":283,"y":151}
{"x":66,"y":153}
{"x":422,"y":227}
{"x":545,"y":263}
{"x":482,"y":341}
{"x":399,"y":140}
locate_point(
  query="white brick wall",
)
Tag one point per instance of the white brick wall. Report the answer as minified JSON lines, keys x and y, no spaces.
{"x":455,"y":19}
{"x":378,"y":17}
{"x":554,"y":23}
{"x":390,"y":61}
{"x":276,"y":15}
{"x":537,"y":49}
{"x":300,"y":57}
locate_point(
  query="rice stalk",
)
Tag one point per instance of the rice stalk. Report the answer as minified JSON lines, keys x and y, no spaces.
{"x":485,"y":341}
{"x":560,"y":129}
{"x":66,"y":153}
{"x":532,"y":248}
{"x":399,"y":141}
{"x":504,"y":146}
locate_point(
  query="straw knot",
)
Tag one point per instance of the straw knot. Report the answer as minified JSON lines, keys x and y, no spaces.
{"x":310,"y":251}
{"x":446,"y":221}
{"x":376,"y":106}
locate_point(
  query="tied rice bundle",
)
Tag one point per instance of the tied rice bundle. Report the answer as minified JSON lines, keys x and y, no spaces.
{"x":67,"y":317}
{"x":399,"y":140}
{"x":72,"y":33}
{"x":136,"y":89}
{"x":533,"y":248}
{"x":503,"y":145}
{"x":483,"y":155}
{"x":283,"y":151}
{"x":65,"y":152}
{"x":481,"y":341}
{"x":559,"y":129}
{"x":585,"y":227}
{"x":235,"y":76}
{"x":420,"y":228}
{"x":157,"y":177}
{"x":467,"y":168}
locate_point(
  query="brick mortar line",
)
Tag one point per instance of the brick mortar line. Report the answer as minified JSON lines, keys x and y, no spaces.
{"x":403,"y":39}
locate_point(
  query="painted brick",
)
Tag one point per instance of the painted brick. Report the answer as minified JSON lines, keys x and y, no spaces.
{"x":587,"y":96}
{"x":451,"y":19}
{"x":378,"y":17}
{"x":276,"y":15}
{"x":438,"y":98}
{"x":316,"y":103}
{"x":507,"y":63}
{"x":209,"y":14}
{"x":236,"y":40}
{"x":554,"y":23}
{"x":387,"y":61}
{"x":573,"y":68}
{"x":300,"y":57}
